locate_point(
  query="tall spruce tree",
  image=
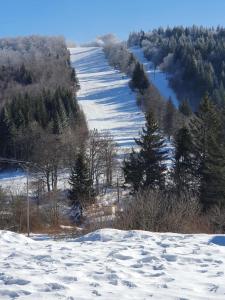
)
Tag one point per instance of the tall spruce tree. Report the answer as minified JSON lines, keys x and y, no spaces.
{"x":183,"y":168}
{"x":147,"y":167}
{"x":139,"y":78}
{"x":185,"y":108}
{"x":169,"y":120}
{"x":81,"y":189}
{"x":208,"y":147}
{"x":133,"y":170}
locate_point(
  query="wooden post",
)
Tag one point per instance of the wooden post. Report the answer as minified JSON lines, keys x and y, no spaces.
{"x":28,"y":203}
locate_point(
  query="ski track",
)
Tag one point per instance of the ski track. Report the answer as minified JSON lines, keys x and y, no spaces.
{"x":112,"y":264}
{"x":105,"y":97}
{"x":157,"y":77}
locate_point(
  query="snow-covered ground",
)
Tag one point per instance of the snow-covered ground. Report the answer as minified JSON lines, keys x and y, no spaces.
{"x":105,"y":96}
{"x":15,"y":181}
{"x":157,"y":77}
{"x":112,"y":264}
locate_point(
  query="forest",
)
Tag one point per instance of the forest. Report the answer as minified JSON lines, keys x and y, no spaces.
{"x":187,"y":184}
{"x":193,"y":57}
{"x":38,"y":101}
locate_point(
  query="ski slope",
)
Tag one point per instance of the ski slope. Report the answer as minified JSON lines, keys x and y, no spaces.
{"x":106,"y":99}
{"x":111,"y":264}
{"x":157,"y":77}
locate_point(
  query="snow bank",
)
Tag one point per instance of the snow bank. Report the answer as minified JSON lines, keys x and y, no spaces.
{"x":112,"y":264}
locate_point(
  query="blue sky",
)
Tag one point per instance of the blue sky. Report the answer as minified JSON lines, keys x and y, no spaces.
{"x":82,"y":20}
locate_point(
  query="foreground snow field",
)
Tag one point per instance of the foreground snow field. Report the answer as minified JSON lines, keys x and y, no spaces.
{"x":113,"y":264}
{"x":105,"y":96}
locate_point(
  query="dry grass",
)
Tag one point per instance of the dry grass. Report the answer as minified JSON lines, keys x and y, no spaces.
{"x":154,"y":210}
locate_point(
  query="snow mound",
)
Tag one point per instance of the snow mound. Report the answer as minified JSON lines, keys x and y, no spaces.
{"x":112,"y":264}
{"x":13,"y":238}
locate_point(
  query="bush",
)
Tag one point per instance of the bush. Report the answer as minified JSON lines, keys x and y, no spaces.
{"x":160,"y":211}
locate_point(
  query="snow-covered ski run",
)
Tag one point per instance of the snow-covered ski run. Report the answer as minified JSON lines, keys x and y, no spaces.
{"x":106,"y":99}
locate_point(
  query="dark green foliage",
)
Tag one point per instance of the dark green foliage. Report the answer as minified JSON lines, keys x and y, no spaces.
{"x":75,"y":79}
{"x":185,"y":108}
{"x":81,"y":190}
{"x":195,"y":56}
{"x":42,"y":93}
{"x":147,"y":167}
{"x":183,"y":169}
{"x":208,"y":148}
{"x":52,"y":111}
{"x":23,"y":76}
{"x":133,"y":170}
{"x":139,"y":79}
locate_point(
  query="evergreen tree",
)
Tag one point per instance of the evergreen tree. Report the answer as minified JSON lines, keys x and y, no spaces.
{"x":183,"y":168}
{"x":139,"y":78}
{"x":74,"y":79}
{"x":81,"y":190}
{"x":7,"y":130}
{"x":147,"y":167}
{"x":185,"y":108}
{"x":133,"y":170}
{"x":208,"y":146}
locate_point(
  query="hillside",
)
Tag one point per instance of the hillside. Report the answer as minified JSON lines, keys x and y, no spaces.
{"x":193,"y":56}
{"x":156,"y":76}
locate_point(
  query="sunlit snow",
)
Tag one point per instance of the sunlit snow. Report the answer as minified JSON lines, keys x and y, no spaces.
{"x":105,"y":96}
{"x":111,"y":264}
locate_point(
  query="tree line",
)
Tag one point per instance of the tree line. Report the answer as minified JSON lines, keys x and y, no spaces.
{"x":194,"y":56}
{"x":38,"y":105}
{"x":148,"y":97}
{"x":196,"y":167}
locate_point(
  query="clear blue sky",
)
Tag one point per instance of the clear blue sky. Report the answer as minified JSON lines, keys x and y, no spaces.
{"x":82,"y":20}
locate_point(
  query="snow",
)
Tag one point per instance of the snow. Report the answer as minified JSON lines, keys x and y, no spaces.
{"x":112,"y":264}
{"x":157,"y":77}
{"x":15,"y":182}
{"x":105,"y":97}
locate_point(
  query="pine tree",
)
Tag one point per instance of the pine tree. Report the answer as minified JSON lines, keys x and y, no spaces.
{"x":147,"y":167}
{"x":81,"y":190}
{"x":74,"y":79}
{"x":183,"y":168}
{"x":208,"y":146}
{"x":139,"y":78}
{"x":8,"y":131}
{"x":133,"y":170}
{"x":185,"y":108}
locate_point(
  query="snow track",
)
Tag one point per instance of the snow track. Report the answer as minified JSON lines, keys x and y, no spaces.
{"x":112,"y":264}
{"x":106,"y":99}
